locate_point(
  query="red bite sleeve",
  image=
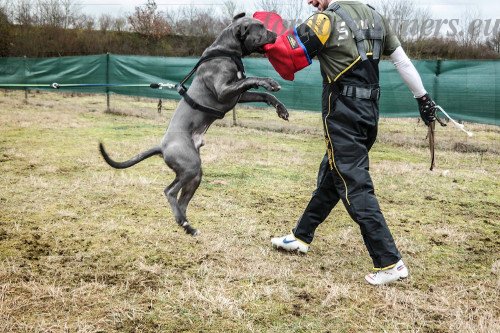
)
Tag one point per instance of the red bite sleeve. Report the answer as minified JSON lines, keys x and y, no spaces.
{"x":271,"y":21}
{"x":287,"y":54}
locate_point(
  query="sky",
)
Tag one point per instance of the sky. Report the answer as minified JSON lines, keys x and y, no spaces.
{"x":444,"y":9}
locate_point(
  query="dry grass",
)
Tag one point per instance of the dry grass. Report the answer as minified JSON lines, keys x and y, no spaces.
{"x":84,"y":248}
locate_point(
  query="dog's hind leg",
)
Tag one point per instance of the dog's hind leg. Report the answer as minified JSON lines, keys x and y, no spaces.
{"x":183,"y":158}
{"x":187,"y":167}
{"x":188,"y":191}
{"x":185,"y":196}
{"x":171,"y":192}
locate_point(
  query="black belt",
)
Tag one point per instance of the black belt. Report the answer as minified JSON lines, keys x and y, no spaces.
{"x":360,"y":92}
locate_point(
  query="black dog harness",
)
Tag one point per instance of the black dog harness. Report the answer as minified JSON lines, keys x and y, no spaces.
{"x":182,"y":90}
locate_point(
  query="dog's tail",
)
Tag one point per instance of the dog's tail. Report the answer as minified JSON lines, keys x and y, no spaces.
{"x":133,"y":161}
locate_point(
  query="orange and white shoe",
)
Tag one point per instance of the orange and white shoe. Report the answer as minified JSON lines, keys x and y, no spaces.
{"x":290,"y":243}
{"x":384,"y":276}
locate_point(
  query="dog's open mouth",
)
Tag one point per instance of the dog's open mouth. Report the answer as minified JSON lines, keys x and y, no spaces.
{"x":260,"y":48}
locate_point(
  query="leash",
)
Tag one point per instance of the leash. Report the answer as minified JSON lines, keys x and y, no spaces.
{"x":432,"y":128}
{"x":56,"y":85}
{"x":180,"y":87}
{"x":457,"y":125}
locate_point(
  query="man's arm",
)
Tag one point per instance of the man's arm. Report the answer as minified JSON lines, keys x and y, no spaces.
{"x":408,"y":72}
{"x":412,"y":78}
{"x":295,"y":48}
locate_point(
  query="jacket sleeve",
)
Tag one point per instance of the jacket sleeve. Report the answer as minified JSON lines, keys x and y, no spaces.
{"x":295,"y":48}
{"x":408,"y":72}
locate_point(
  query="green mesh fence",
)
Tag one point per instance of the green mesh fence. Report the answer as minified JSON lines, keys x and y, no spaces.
{"x":469,"y":90}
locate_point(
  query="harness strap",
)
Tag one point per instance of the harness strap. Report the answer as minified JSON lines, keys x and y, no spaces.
{"x":375,"y":34}
{"x":182,"y":90}
{"x":377,"y":39}
{"x":214,"y":112}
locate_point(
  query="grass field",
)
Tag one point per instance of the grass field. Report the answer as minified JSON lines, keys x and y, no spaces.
{"x":85,"y":248}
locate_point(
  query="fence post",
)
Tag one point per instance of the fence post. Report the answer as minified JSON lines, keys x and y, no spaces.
{"x":234,"y":116}
{"x":435,"y":92}
{"x":108,"y":109}
{"x":26,"y":88}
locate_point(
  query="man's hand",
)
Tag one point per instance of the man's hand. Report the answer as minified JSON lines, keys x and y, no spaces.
{"x":427,"y":109}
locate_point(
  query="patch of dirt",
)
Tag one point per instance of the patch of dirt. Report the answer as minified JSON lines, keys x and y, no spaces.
{"x":35,"y":248}
{"x":462,"y":147}
{"x":3,"y":234}
{"x":304,"y":295}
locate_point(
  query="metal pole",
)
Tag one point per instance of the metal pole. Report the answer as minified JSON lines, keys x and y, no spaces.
{"x":234,"y":117}
{"x":25,"y":74}
{"x":108,"y":109}
{"x":107,"y":102}
{"x":436,"y":80}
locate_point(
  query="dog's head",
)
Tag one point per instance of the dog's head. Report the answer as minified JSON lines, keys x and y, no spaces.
{"x":252,"y":34}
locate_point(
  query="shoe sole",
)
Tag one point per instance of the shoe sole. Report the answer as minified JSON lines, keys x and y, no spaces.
{"x":287,"y":250}
{"x":381,"y":284}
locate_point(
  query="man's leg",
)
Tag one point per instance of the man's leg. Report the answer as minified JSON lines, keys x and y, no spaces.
{"x":348,"y":128}
{"x":323,"y":199}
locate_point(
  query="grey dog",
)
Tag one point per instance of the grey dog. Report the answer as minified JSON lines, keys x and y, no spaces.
{"x":218,"y":84}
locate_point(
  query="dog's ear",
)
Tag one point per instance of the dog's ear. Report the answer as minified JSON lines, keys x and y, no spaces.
{"x":240,"y":15}
{"x":241,"y":29}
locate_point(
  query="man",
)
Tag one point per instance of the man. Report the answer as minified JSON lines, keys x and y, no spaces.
{"x":348,"y":38}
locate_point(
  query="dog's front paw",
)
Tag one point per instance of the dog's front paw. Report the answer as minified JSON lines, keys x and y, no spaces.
{"x":270,"y":84}
{"x":282,"y":111}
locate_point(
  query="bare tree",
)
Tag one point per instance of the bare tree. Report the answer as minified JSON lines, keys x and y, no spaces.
{"x":120,"y":24}
{"x":24,"y":13}
{"x":7,"y":8}
{"x":470,"y":27}
{"x":383,"y":7}
{"x":400,"y":14}
{"x":5,"y":35}
{"x":56,"y":13}
{"x":193,"y":21}
{"x":423,"y":25}
{"x":147,"y":20}
{"x":69,"y":10}
{"x":48,"y":13}
{"x":294,"y":11}
{"x":269,"y":5}
{"x":231,"y":8}
{"x":494,"y":42}
{"x":105,"y":22}
{"x":83,"y":21}
{"x":89,"y":23}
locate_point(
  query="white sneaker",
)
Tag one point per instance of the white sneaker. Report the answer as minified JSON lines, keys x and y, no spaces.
{"x":290,"y":243}
{"x":398,"y":272}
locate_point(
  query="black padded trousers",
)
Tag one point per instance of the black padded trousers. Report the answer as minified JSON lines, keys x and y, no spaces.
{"x":350,"y":130}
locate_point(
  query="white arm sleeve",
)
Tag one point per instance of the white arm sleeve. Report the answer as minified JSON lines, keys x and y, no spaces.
{"x":408,"y":72}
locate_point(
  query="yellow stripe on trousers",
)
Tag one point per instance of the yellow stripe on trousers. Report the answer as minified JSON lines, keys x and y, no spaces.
{"x":331,"y":145}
